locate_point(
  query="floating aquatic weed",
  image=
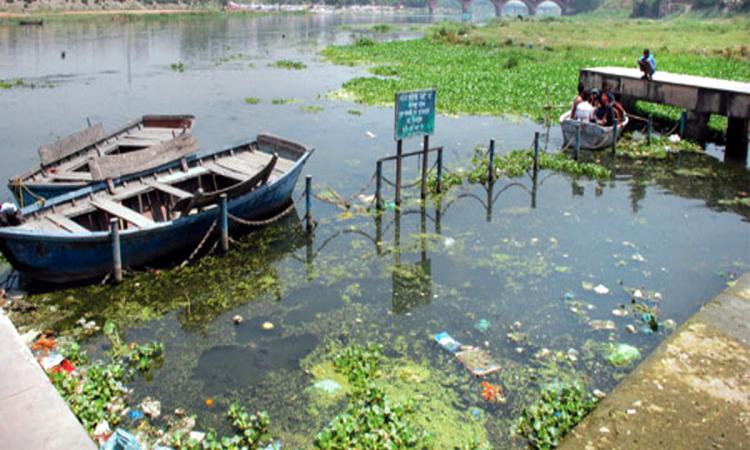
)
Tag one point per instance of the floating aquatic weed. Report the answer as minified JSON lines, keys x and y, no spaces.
{"x":560,"y":407}
{"x":288,"y":64}
{"x":312,"y":108}
{"x":462,"y":62}
{"x":179,"y":66}
{"x":252,"y":100}
{"x":283,"y":101}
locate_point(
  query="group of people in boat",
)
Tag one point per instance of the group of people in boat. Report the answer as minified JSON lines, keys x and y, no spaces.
{"x":595,"y":106}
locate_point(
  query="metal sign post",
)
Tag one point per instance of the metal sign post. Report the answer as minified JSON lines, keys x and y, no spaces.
{"x":414,"y":116}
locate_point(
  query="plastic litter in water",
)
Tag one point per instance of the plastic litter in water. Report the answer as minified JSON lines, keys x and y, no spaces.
{"x":328,"y":386}
{"x":601,"y":289}
{"x":622,"y":355}
{"x":135,"y":414}
{"x":449,"y":242}
{"x":121,"y":440}
{"x":482,"y":325}
{"x":569,"y":296}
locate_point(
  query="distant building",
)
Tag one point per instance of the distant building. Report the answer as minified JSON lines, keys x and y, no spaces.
{"x":661,"y":8}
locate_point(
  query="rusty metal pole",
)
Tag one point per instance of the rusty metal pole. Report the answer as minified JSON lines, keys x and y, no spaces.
{"x":425,"y":153}
{"x":491,"y":163}
{"x":399,"y":151}
{"x":379,"y":186}
{"x":114,"y":228}
{"x":308,"y":203}
{"x":224,"y":218}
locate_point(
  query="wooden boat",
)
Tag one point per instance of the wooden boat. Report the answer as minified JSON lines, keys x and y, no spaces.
{"x":593,"y":136}
{"x":31,"y":22}
{"x":162,"y":213}
{"x":65,"y":164}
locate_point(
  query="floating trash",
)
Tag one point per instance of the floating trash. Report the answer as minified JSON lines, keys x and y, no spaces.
{"x":599,"y":394}
{"x":209,"y":402}
{"x":492,"y":393}
{"x":601,"y":289}
{"x":619,"y":312}
{"x":151,"y":407}
{"x":267,"y":326}
{"x":327,"y":386}
{"x":475,"y":359}
{"x":587,"y":286}
{"x":622,"y":355}
{"x":638,"y":257}
{"x":449,"y":242}
{"x":603,"y":325}
{"x":237,"y":319}
{"x":482,"y":325}
{"x":569,"y":296}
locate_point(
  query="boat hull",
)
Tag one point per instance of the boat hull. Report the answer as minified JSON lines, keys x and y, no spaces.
{"x":593,"y":136}
{"x":65,"y":257}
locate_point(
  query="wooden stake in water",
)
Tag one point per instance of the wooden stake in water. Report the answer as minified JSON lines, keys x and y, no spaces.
{"x":308,"y":203}
{"x":614,"y":132}
{"x":683,"y":119}
{"x":224,"y":218}
{"x":491,"y":163}
{"x":114,"y":228}
{"x":650,"y":128}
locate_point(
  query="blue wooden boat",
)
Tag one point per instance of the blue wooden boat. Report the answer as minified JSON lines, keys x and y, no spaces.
{"x":160,"y":214}
{"x":65,"y":165}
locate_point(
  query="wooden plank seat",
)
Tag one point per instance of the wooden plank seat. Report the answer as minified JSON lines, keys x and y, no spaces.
{"x":169,"y":189}
{"x":122,"y":212}
{"x":66,"y":223}
{"x":71,"y":176}
{"x":218,"y":170}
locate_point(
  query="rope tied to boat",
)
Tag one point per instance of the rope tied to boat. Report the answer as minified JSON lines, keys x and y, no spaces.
{"x":20,"y":187}
{"x":257,"y":223}
{"x":200,"y":245}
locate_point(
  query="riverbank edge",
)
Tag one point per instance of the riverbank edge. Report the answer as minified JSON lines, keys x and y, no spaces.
{"x":693,"y":391}
{"x":34,"y":414}
{"x":68,"y":14}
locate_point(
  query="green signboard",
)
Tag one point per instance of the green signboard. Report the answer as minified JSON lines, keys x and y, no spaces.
{"x":415,"y":114}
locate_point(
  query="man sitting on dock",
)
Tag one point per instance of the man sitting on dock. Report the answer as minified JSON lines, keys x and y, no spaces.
{"x":647,"y":64}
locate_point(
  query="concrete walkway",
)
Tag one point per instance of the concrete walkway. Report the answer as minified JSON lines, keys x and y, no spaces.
{"x":693,"y":392}
{"x":33,"y":416}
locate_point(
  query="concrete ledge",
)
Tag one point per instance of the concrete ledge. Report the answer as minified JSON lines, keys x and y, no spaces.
{"x":33,"y":416}
{"x":692,"y":392}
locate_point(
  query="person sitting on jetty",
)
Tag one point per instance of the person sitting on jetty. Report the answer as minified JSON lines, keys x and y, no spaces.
{"x":647,"y":64}
{"x":584,"y":111}
{"x":577,"y":100}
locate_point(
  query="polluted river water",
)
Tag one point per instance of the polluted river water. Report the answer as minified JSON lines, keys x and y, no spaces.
{"x":548,"y":279}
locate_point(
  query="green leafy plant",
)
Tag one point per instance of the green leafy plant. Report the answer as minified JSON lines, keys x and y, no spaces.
{"x":252,"y":100}
{"x":97,"y":391}
{"x":359,"y":364}
{"x":251,"y":433}
{"x":178,"y":66}
{"x":560,"y":408}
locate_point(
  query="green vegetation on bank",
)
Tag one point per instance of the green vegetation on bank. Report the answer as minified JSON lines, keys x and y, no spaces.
{"x":514,"y":67}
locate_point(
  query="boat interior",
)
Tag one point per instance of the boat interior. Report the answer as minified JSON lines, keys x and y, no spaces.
{"x":173,"y":193}
{"x":66,"y":160}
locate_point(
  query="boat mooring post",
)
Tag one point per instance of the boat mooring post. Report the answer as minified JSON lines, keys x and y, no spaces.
{"x":614,"y":131}
{"x":650,"y":128}
{"x":491,"y":163}
{"x":379,"y":186}
{"x":224,"y":212}
{"x":578,"y":140}
{"x":683,"y":119}
{"x":440,"y":170}
{"x":308,"y":203}
{"x":425,"y":153}
{"x":536,"y":153}
{"x":114,"y":230}
{"x":399,"y":151}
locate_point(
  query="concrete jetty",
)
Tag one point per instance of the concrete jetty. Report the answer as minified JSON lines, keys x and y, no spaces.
{"x":34,"y":416}
{"x":692,"y":392}
{"x":700,"y":96}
